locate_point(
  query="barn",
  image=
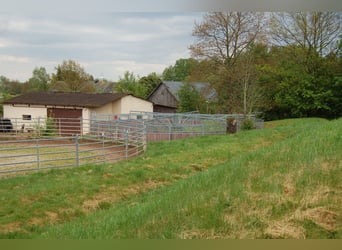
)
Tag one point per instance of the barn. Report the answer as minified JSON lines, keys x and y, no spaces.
{"x":165,"y":96}
{"x":74,"y":106}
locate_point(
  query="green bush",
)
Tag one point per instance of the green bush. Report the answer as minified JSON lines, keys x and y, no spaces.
{"x":49,"y":129}
{"x":247,"y":124}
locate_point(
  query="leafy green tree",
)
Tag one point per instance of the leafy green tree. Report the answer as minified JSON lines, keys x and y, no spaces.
{"x":40,"y":80}
{"x":335,"y":102}
{"x":189,"y":99}
{"x":10,"y":87}
{"x":337,"y":84}
{"x":129,"y":84}
{"x":150,"y":82}
{"x":3,"y":79}
{"x":71,"y":77}
{"x":300,"y":85}
{"x":180,"y":71}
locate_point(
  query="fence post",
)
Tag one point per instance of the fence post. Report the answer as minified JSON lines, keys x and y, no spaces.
{"x":144,"y":137}
{"x":59,"y":126}
{"x":16,"y":126}
{"x":38,"y":127}
{"x":126,"y":143}
{"x":170,"y":136}
{"x":103,"y":146}
{"x":76,"y":152}
{"x":38,"y":154}
{"x":81,"y":124}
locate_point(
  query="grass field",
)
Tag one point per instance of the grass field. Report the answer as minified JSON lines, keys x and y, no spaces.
{"x":284,"y":181}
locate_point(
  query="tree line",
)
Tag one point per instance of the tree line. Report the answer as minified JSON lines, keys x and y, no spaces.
{"x":280,"y":65}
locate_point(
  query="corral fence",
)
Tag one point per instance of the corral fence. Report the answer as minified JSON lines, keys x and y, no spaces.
{"x":161,"y":126}
{"x":45,"y":147}
{"x":172,"y":126}
{"x":43,"y":143}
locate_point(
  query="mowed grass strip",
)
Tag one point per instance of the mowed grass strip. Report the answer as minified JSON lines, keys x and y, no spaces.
{"x":280,"y":182}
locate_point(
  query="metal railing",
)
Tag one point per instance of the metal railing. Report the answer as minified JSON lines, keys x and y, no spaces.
{"x":172,"y":126}
{"x":44,"y":148}
{"x":43,"y":143}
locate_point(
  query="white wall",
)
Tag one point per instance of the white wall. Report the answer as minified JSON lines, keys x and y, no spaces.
{"x":15,"y":113}
{"x":105,"y":109}
{"x":124,"y":106}
{"x":131,"y":103}
{"x":86,"y":123}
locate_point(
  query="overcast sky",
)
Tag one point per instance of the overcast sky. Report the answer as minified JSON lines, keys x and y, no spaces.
{"x":105,"y":43}
{"x":109,"y":37}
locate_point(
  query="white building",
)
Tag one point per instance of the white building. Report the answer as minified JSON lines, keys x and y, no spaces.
{"x":81,"y":106}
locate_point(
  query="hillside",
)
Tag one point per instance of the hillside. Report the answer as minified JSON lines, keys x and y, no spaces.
{"x":280,"y":182}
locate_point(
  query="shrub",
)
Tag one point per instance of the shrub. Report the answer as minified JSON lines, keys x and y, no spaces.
{"x":247,"y":124}
{"x":49,"y":129}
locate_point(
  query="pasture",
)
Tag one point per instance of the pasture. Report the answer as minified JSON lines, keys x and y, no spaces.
{"x":280,"y":182}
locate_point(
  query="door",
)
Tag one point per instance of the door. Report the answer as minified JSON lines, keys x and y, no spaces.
{"x":66,"y":121}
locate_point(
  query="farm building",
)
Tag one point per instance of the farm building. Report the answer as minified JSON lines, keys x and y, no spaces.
{"x":77,"y":106}
{"x":165,"y":96}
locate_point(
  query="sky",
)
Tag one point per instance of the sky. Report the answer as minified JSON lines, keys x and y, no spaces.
{"x":109,"y":37}
{"x":104,"y":43}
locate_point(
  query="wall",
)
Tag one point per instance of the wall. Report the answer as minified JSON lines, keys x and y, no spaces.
{"x":105,"y":109}
{"x":131,"y":103}
{"x":86,"y":117}
{"x":124,"y":106}
{"x":162,"y":96}
{"x":15,"y":113}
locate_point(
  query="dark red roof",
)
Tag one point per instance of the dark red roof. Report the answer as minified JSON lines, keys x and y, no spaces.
{"x":66,"y":99}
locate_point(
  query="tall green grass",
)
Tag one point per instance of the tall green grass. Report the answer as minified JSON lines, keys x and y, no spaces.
{"x":280,"y":182}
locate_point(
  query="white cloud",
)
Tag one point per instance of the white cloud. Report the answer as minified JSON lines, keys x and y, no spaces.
{"x":106,"y":43}
{"x":14,"y":23}
{"x":15,"y":59}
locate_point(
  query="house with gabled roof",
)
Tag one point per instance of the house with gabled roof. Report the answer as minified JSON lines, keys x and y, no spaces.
{"x":71,"y":105}
{"x":165,"y":97}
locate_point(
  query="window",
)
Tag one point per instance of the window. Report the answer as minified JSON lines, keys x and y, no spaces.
{"x":27,"y":117}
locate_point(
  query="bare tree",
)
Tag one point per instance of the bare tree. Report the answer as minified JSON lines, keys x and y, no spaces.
{"x":247,"y":81}
{"x":226,"y":38}
{"x":317,"y":31}
{"x":223,"y":36}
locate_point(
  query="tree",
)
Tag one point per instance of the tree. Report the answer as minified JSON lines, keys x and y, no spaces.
{"x":189,"y":98}
{"x":71,"y":77}
{"x":150,"y":82}
{"x":129,"y":84}
{"x":40,"y":80}
{"x":224,"y":36}
{"x":296,"y":91}
{"x":316,"y":31}
{"x":180,"y":71}
{"x":10,"y":87}
{"x":336,"y":102}
{"x":246,"y":78}
{"x":222,"y":39}
{"x":3,"y":80}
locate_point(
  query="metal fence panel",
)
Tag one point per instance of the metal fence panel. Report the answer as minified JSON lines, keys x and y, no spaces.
{"x":45,"y":143}
{"x":45,"y":148}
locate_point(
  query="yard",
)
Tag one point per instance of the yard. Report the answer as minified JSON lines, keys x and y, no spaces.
{"x":280,"y":182}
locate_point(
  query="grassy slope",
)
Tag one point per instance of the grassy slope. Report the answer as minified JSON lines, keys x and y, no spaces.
{"x":280,"y":182}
